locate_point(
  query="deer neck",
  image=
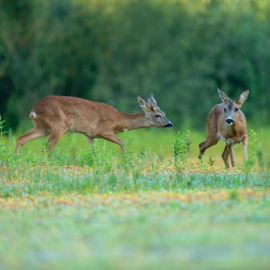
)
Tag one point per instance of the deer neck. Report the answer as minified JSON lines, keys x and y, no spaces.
{"x":134,"y":121}
{"x":236,"y":128}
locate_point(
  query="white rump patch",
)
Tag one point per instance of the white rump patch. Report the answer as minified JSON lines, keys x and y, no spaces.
{"x":33,"y":115}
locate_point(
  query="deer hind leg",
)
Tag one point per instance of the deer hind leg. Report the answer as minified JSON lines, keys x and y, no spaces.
{"x":55,"y":136}
{"x":206,"y":144}
{"x":31,"y":135}
{"x":225,"y":157}
{"x":58,"y":127}
{"x":244,"y":146}
{"x":212,"y":131}
{"x":112,"y":138}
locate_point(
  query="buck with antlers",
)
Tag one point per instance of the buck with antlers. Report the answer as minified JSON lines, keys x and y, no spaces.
{"x":228,"y":123}
{"x":56,"y":115}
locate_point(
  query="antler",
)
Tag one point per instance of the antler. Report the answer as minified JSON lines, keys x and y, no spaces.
{"x":152,"y":101}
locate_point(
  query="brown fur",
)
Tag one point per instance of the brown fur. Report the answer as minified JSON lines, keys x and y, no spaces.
{"x":56,"y":115}
{"x":233,"y":134}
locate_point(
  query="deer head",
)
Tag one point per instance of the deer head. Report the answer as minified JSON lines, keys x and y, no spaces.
{"x":231,"y":108}
{"x":153,"y":114}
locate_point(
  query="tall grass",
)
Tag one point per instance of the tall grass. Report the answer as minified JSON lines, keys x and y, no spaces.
{"x":97,"y":169}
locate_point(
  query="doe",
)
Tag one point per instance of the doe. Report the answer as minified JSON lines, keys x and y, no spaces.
{"x":56,"y":115}
{"x":227,"y":122}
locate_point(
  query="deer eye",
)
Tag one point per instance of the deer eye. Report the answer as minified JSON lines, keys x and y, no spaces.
{"x":236,"y":109}
{"x":157,"y":116}
{"x":225,"y":110}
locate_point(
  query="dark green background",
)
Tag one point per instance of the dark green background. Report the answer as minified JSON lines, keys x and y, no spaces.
{"x":112,"y":51}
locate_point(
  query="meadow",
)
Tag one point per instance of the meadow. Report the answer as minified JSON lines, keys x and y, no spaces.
{"x":157,"y":206}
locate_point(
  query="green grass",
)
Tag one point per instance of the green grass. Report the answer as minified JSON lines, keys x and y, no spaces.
{"x":158,"y":141}
{"x":228,"y":235}
{"x":91,"y":207}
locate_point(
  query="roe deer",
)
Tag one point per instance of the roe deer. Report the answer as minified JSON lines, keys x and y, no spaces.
{"x":228,"y":123}
{"x":55,"y":115}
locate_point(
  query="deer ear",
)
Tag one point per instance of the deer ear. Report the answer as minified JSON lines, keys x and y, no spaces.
{"x":143,"y":104}
{"x":152,"y":101}
{"x":243,"y":97}
{"x":223,"y":96}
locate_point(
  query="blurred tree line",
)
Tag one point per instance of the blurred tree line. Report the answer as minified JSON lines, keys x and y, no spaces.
{"x":114,"y":50}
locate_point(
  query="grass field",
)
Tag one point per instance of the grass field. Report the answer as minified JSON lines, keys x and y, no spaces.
{"x":158,"y":141}
{"x":153,"y":208}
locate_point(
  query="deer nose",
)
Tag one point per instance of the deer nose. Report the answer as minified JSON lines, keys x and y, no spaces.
{"x":229,"y":121}
{"x":169,"y":125}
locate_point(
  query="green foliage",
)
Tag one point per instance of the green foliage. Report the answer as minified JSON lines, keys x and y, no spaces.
{"x":268,"y":159}
{"x":97,"y":156}
{"x":181,"y":151}
{"x":87,"y":156}
{"x":211,"y":161}
{"x":143,"y":152}
{"x":2,"y":132}
{"x":181,"y":147}
{"x":3,"y":151}
{"x":255,"y":153}
{"x":253,"y":146}
{"x":128,"y":156}
{"x":179,"y":50}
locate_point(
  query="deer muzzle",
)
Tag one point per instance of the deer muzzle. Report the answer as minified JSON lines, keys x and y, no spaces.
{"x":229,"y":121}
{"x":169,"y":125}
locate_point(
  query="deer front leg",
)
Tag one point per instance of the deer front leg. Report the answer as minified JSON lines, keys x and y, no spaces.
{"x":225,"y":157}
{"x":112,"y":138}
{"x":244,"y":146}
{"x":230,"y":149}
